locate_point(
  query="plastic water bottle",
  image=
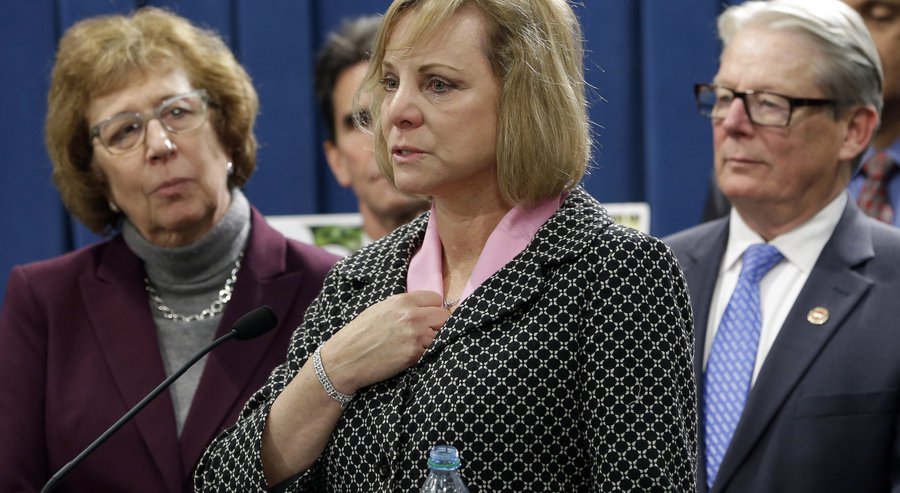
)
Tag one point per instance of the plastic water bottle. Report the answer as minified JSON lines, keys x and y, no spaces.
{"x":443,"y":471}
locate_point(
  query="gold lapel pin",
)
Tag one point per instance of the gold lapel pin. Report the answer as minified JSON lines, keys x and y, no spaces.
{"x":817,"y":316}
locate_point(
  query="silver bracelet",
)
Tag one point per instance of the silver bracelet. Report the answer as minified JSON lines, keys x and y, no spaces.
{"x":332,"y":392}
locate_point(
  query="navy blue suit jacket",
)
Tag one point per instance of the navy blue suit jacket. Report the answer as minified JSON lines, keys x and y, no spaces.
{"x":823,"y":413}
{"x":78,"y":348}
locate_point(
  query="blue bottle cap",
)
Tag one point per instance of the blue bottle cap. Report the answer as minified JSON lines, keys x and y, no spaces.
{"x":444,"y":458}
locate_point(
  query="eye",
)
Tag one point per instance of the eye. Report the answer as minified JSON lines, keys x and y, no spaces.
{"x":390,"y":84}
{"x":724,"y":97}
{"x":176,"y":111}
{"x":439,"y":85}
{"x":880,"y":12}
{"x":117,"y":132}
{"x":363,"y":118}
{"x":772,"y":102}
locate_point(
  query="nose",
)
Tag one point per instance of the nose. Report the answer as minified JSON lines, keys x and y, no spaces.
{"x":737,"y":119}
{"x":402,"y":107}
{"x":159,"y":143}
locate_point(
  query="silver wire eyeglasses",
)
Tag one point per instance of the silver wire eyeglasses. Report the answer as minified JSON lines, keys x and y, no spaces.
{"x":179,"y":115}
{"x":763,"y":108}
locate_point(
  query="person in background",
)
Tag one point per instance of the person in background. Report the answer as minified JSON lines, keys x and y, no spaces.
{"x":340,"y":68}
{"x":793,"y":293}
{"x":515,"y":321}
{"x":150,"y":130}
{"x":875,"y":184}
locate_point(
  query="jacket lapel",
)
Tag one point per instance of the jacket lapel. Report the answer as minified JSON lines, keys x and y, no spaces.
{"x":231,"y":366}
{"x":121,"y":319}
{"x":523,"y":279}
{"x":834,"y":284}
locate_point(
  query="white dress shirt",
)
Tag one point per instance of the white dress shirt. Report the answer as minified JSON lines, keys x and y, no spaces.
{"x":779,"y":288}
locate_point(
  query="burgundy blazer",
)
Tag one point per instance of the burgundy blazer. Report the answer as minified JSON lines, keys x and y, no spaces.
{"x":78,"y":349}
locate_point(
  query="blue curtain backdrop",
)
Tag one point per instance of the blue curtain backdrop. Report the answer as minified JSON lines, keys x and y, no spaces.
{"x":643,"y":57}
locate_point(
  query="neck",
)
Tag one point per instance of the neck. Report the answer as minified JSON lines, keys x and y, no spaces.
{"x":770,"y":221}
{"x":377,"y":226}
{"x":464,"y":230}
{"x":186,"y":264}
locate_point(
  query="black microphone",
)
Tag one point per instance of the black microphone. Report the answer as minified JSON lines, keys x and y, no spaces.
{"x":253,"y":324}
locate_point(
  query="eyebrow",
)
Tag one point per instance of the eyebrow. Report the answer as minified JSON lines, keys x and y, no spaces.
{"x":428,"y":67}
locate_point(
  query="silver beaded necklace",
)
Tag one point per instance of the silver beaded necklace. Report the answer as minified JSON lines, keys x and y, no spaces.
{"x":214,"y":309}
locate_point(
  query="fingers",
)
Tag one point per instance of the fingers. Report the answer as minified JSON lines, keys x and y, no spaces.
{"x":385,"y":339}
{"x":424,"y":298}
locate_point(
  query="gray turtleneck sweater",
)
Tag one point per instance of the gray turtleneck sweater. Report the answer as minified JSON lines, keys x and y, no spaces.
{"x":188,"y":280}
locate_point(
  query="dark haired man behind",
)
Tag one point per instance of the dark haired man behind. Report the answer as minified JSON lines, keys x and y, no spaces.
{"x":340,"y":67}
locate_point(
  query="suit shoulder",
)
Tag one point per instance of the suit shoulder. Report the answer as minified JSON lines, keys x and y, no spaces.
{"x":73,"y":262}
{"x":685,"y":240}
{"x":315,"y":259}
{"x":885,"y":242}
{"x":690,"y":235}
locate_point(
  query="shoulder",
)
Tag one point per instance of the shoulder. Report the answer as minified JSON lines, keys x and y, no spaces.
{"x":885,"y":240}
{"x":581,"y":229}
{"x":386,"y":254}
{"x":885,"y":245}
{"x":687,"y":239}
{"x":59,"y":276}
{"x":274,"y":248}
{"x":313,"y":257}
{"x":74,"y":263}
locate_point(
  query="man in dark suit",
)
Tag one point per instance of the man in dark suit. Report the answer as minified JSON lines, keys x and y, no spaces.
{"x":794,"y":293}
{"x":882,"y":17}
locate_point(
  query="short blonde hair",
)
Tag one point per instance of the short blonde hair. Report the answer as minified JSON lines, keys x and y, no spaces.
{"x":100,"y":55}
{"x":535,"y":50}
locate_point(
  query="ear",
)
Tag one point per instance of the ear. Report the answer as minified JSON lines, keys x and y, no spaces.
{"x":333,"y":156}
{"x":861,"y":121}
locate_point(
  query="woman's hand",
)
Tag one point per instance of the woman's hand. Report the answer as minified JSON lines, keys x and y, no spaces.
{"x":385,"y":339}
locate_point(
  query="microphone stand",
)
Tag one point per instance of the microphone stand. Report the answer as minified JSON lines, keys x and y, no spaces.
{"x":242,"y":331}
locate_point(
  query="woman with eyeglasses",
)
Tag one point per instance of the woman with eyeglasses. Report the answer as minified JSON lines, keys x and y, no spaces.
{"x":150,"y":130}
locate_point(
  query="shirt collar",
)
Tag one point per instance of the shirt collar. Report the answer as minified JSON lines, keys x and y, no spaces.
{"x":510,"y":237}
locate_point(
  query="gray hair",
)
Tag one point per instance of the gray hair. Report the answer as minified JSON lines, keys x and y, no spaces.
{"x":849,"y":69}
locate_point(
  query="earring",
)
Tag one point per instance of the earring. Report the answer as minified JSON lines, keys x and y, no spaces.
{"x":229,"y":167}
{"x":113,"y":207}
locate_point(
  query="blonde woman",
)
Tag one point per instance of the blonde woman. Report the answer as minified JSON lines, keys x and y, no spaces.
{"x":515,"y":321}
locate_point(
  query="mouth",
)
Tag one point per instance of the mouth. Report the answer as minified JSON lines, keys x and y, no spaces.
{"x":741,"y":161}
{"x":405,"y":152}
{"x":170,"y":187}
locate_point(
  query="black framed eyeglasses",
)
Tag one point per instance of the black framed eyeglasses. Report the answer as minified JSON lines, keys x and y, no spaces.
{"x":763,"y":108}
{"x":179,"y":115}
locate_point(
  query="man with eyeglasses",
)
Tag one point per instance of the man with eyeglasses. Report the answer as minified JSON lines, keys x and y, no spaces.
{"x":796,"y":336}
{"x":875,"y":184}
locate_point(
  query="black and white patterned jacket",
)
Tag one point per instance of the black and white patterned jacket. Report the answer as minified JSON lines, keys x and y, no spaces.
{"x":570,"y":369}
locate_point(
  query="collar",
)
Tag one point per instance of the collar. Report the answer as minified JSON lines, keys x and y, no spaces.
{"x":565,"y":235}
{"x":216,"y":251}
{"x":510,"y":237}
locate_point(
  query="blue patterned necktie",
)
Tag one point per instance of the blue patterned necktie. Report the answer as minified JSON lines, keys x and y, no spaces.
{"x":729,"y":368}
